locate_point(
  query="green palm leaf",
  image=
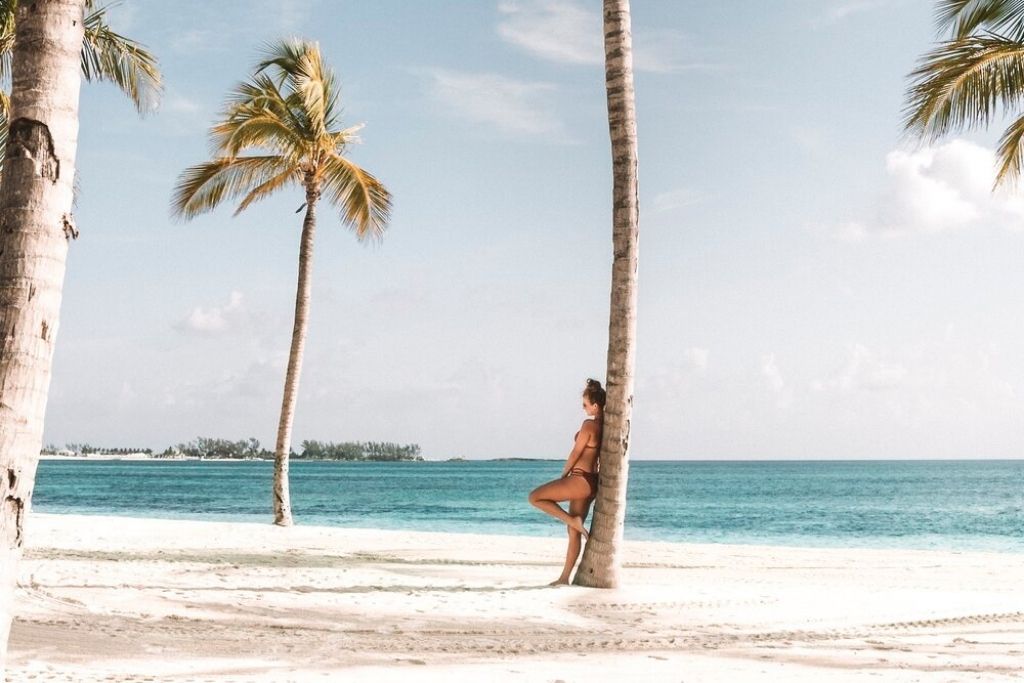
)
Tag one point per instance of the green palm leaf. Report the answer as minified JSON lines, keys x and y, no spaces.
{"x":963,"y":83}
{"x":254,"y":127}
{"x":204,"y":186}
{"x":972,"y":78}
{"x":965,"y":17}
{"x":106,"y":56}
{"x":7,"y":8}
{"x":109,"y":56}
{"x":1011,"y":153}
{"x":297,"y":66}
{"x":268,"y":187}
{"x":5,"y":117}
{"x":277,"y":129}
{"x":285,"y":117}
{"x":365,"y":203}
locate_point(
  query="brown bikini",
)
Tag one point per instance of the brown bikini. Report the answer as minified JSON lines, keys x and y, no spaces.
{"x":591,"y":477}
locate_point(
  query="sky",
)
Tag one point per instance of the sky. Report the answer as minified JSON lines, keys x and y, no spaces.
{"x":812,"y":284}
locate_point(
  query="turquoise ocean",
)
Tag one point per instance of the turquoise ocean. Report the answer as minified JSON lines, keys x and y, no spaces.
{"x":952,"y":505}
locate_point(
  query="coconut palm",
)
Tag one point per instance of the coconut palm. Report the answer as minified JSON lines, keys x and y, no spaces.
{"x":35,"y":205}
{"x":974,"y":75}
{"x":105,"y":56}
{"x":286,"y":117}
{"x":600,"y":565}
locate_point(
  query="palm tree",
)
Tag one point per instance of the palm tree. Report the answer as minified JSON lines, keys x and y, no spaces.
{"x":971,"y":77}
{"x":35,"y":208}
{"x":105,"y":56}
{"x":600,"y":565}
{"x":287,"y":116}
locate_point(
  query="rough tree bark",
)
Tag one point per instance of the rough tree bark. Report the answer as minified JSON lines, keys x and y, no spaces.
{"x":282,"y":498}
{"x":601,"y":562}
{"x":35,"y":226}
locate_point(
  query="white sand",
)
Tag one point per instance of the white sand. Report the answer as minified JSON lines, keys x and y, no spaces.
{"x":115,"y":599}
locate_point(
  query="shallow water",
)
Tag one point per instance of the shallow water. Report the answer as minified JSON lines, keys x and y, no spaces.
{"x":965,"y":505}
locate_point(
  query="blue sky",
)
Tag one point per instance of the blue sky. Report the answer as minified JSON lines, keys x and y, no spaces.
{"x":811,"y":285}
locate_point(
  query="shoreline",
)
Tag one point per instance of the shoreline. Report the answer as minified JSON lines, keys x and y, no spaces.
{"x":125,"y":598}
{"x":817,"y":461}
{"x":266,"y":520}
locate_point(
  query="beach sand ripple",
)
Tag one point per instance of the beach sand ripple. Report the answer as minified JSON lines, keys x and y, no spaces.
{"x":118,"y":599}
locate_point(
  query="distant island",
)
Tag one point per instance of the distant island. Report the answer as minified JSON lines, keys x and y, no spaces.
{"x":205,"y":448}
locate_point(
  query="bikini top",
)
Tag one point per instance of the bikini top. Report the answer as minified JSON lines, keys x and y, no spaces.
{"x":588,"y":444}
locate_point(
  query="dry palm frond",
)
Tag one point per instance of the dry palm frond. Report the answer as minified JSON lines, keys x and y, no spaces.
{"x":279,"y":128}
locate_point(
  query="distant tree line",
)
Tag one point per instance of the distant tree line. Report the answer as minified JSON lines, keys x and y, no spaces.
{"x":250,"y":449}
{"x":358,"y":450}
{"x":203,"y":447}
{"x":87,"y":449}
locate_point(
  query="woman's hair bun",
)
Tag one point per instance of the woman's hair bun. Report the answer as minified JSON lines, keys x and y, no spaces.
{"x":594,"y":392}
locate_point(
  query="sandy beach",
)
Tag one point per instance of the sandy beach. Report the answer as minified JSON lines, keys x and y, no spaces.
{"x":117,"y":599}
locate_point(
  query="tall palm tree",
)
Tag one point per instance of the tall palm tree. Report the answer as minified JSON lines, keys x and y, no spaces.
{"x":600,"y":565}
{"x":105,"y":56}
{"x":974,"y":75}
{"x":35,"y":211}
{"x":286,"y":115}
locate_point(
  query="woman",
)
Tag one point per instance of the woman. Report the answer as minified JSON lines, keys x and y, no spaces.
{"x":578,"y":484}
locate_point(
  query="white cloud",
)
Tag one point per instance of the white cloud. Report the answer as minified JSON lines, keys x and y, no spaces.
{"x":181,"y":104}
{"x":697,"y":358}
{"x":934,"y":190}
{"x":566,"y":31}
{"x":840,"y":11}
{"x":217,"y":319}
{"x":559,"y":31}
{"x":675,"y":199}
{"x":775,"y":381}
{"x":863,"y":370}
{"x":127,"y":397}
{"x":813,"y":140}
{"x":770,"y":371}
{"x":512,"y":106}
{"x":122,"y":17}
{"x":291,"y":13}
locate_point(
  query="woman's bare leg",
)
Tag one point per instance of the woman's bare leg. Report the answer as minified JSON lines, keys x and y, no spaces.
{"x":547,"y":496}
{"x":578,"y":509}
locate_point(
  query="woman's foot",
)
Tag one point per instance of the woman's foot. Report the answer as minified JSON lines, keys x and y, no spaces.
{"x":577,"y":524}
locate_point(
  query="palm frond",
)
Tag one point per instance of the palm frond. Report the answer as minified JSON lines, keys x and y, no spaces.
{"x":965,"y":17}
{"x":256,"y":109}
{"x":339,"y":140}
{"x":5,"y":121}
{"x":316,"y":86}
{"x":288,"y":109}
{"x":284,"y":55}
{"x":1010,"y":154}
{"x":252,"y":128}
{"x":7,"y":13}
{"x":365,"y":203}
{"x":265,"y":189}
{"x":297,"y":66}
{"x":203,"y":187}
{"x":961,"y":84}
{"x":109,"y":56}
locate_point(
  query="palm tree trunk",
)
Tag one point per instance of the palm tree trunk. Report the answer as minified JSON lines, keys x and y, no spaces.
{"x":282,"y":499}
{"x":601,"y":562}
{"x":35,"y":225}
